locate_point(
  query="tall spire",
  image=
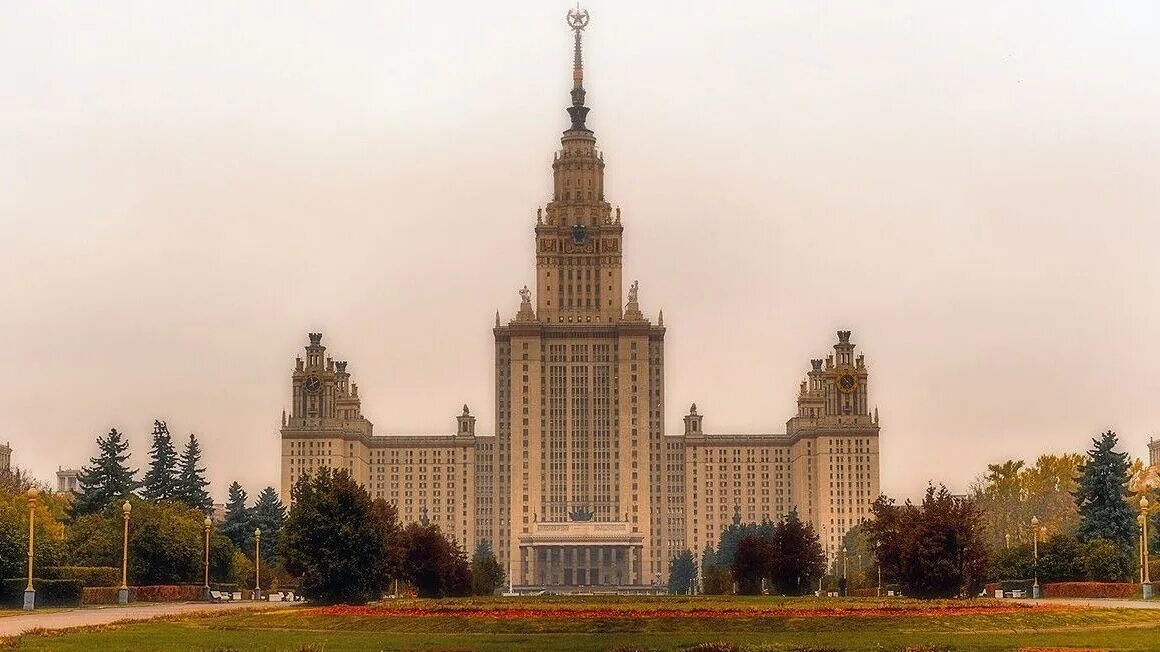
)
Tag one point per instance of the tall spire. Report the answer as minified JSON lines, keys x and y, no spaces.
{"x":578,"y":20}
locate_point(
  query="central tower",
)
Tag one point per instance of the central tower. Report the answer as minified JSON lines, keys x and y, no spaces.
{"x":577,"y":474}
{"x":578,"y":273}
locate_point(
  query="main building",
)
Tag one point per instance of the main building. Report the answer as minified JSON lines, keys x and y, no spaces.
{"x":580,"y":487}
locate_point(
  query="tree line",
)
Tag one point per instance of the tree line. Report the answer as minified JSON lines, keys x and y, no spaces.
{"x":346,"y":547}
{"x":1084,"y":506}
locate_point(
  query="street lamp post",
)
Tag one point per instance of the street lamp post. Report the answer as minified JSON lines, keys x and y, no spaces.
{"x":1140,"y":545}
{"x":29,"y":591}
{"x":1147,"y":583}
{"x":257,"y":563}
{"x":123,"y":592}
{"x":1035,"y":553}
{"x":845,"y":557}
{"x":878,"y":559}
{"x":205,"y":589}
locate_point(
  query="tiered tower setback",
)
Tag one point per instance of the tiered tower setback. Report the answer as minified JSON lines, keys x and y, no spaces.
{"x":579,"y":489}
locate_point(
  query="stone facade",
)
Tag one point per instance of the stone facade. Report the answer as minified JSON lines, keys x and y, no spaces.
{"x":67,"y":480}
{"x":6,"y":457}
{"x":579,"y":487}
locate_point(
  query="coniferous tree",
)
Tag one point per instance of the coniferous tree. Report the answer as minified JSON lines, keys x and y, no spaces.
{"x":715,"y":578}
{"x":107,"y":477}
{"x":160,"y":482}
{"x":1102,"y":494}
{"x":236,"y":525}
{"x":682,"y":573}
{"x":268,"y":514}
{"x":486,"y":573}
{"x":797,"y":559}
{"x":191,"y":482}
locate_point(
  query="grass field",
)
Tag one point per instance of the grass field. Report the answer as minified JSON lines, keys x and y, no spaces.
{"x":602,"y":623}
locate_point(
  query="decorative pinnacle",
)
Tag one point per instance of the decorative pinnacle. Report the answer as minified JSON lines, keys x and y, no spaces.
{"x":577,"y":19}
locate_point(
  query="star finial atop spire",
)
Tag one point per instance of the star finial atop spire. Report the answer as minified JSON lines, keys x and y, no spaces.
{"x":578,"y":20}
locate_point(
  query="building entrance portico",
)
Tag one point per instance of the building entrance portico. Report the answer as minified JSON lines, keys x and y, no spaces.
{"x":580,"y":556}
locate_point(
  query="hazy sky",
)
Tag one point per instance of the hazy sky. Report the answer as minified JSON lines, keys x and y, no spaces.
{"x":186,"y":189}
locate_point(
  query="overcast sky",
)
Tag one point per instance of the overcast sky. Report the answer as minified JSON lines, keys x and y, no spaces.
{"x":186,"y":189}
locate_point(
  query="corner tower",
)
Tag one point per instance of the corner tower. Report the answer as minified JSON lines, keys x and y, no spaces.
{"x":578,"y":471}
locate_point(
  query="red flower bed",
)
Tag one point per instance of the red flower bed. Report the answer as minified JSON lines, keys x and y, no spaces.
{"x":586,"y":613}
{"x":1091,"y":590}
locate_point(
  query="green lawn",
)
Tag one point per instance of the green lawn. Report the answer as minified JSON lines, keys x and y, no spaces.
{"x":601,"y":623}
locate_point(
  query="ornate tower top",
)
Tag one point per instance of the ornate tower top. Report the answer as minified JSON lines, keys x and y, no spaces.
{"x":578,"y":20}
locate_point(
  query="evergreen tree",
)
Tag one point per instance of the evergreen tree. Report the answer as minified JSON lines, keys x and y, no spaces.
{"x":191,"y":482}
{"x":486,"y":573}
{"x":682,"y":573}
{"x":107,"y":477}
{"x":236,"y":526}
{"x":797,"y":559}
{"x":160,"y":482}
{"x":268,"y":514}
{"x":1102,"y":494}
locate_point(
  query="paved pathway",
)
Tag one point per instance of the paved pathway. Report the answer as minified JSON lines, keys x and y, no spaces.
{"x":1106,"y":603}
{"x":14,"y":625}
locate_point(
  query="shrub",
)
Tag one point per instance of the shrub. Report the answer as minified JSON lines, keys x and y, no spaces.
{"x":168,"y":593}
{"x":101,"y":595}
{"x":49,"y":593}
{"x":1107,"y":561}
{"x":90,"y":575}
{"x":1091,"y":590}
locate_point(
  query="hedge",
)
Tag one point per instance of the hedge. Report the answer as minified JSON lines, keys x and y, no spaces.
{"x":1091,"y":590}
{"x":49,"y":593}
{"x":168,"y":593}
{"x":224,"y":587}
{"x":155,"y":593}
{"x":101,"y":595}
{"x":90,"y":575}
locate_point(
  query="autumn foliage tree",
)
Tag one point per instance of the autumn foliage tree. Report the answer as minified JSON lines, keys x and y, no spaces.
{"x":435,"y":566}
{"x":934,"y":549}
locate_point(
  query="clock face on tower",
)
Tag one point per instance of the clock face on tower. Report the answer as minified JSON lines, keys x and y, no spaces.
{"x":313,"y":384}
{"x":579,"y":234}
{"x":847,"y":383}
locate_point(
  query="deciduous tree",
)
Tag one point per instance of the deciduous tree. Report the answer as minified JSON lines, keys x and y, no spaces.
{"x":342,"y":544}
{"x":936,"y":549}
{"x":432,"y":564}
